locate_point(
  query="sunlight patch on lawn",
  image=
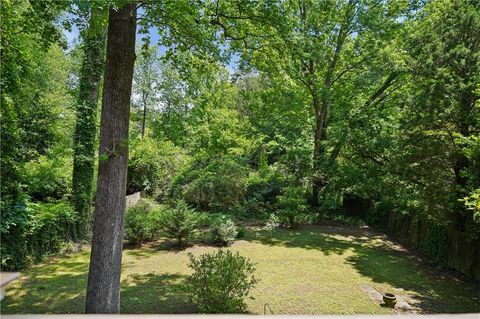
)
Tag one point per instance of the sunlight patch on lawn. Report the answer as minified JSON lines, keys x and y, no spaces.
{"x":310,"y":271}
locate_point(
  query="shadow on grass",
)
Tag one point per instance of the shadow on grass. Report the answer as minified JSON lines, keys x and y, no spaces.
{"x":57,"y":287}
{"x":374,"y":256}
{"x":435,"y":291}
{"x":147,"y":250}
{"x":153,"y":293}
{"x":164,"y":246}
{"x":310,"y":237}
{"x":60,"y":286}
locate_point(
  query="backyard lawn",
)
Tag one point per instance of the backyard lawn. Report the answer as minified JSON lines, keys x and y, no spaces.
{"x":318,"y":269}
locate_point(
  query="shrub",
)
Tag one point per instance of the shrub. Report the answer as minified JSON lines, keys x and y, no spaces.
{"x":14,"y":220}
{"x":213,"y":185}
{"x":435,"y":242}
{"x":472,"y":203}
{"x":272,"y":223}
{"x":254,"y":207}
{"x":47,"y":178}
{"x":139,"y":222}
{"x":49,"y":227}
{"x":179,"y":222}
{"x":241,"y":232}
{"x":70,"y":247}
{"x":262,"y":188}
{"x":224,"y":231}
{"x":292,"y":206}
{"x":151,"y":166}
{"x":341,"y":219}
{"x":377,"y":215}
{"x":220,"y":282}
{"x":40,"y":230}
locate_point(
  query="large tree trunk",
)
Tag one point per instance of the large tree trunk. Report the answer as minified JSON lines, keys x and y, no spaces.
{"x":321,"y":110}
{"x":85,"y":129}
{"x":103,"y":292}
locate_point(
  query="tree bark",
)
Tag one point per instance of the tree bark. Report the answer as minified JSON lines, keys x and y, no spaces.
{"x":316,"y":148}
{"x":321,"y":107}
{"x":144,"y":119}
{"x":85,"y":130}
{"x":103,"y":291}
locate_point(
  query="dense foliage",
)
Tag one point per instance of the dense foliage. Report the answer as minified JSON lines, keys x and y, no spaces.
{"x":36,"y":126}
{"x":220,"y":282}
{"x":140,"y":222}
{"x":41,"y":229}
{"x":293,"y":206}
{"x":179,"y":222}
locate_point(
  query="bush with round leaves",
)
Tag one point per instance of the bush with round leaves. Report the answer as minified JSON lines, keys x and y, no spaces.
{"x":220,"y":282}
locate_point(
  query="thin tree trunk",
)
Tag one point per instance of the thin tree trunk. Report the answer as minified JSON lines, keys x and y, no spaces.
{"x":144,"y":120}
{"x":316,"y":148}
{"x":85,"y":129}
{"x":103,"y":291}
{"x":321,"y":111}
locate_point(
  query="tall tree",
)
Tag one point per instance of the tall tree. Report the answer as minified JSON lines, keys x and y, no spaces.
{"x":183,"y":26}
{"x":103,"y":291}
{"x":441,"y":125}
{"x":146,"y":77}
{"x":316,"y":44}
{"x":85,"y":130}
{"x":415,"y":147}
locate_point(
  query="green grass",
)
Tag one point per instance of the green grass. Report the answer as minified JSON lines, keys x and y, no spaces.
{"x":310,"y":271}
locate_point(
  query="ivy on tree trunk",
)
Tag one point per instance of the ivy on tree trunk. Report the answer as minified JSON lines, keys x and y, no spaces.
{"x":85,"y":130}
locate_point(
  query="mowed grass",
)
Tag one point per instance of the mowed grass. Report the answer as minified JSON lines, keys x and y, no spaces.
{"x":314,"y":270}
